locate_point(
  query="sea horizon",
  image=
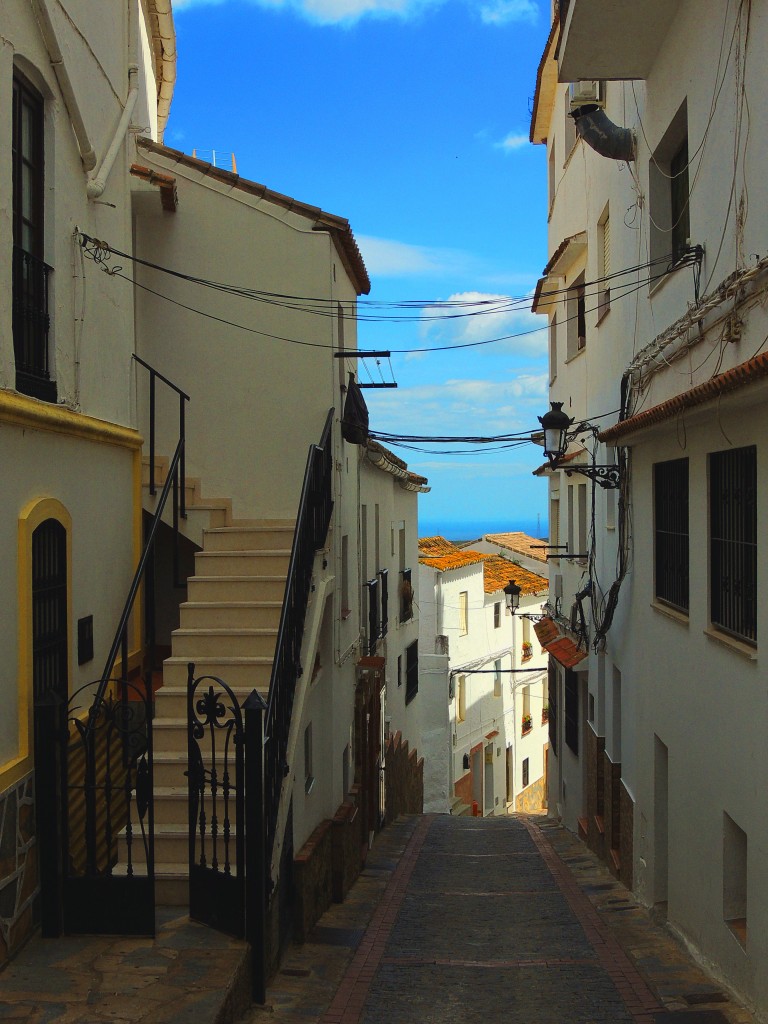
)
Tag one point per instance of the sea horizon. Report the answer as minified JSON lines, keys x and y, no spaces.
{"x":472,"y":529}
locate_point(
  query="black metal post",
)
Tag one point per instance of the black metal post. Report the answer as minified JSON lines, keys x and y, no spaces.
{"x":151,"y":432}
{"x":50,"y":723}
{"x":255,"y":844}
{"x":183,"y":464}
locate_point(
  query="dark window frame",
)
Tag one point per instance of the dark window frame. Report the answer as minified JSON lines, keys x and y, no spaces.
{"x":671,"y":552}
{"x":571,"y":709}
{"x":411,"y":671}
{"x":733,"y":542}
{"x":31,"y":276}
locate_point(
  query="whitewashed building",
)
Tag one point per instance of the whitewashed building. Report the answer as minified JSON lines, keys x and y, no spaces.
{"x":494,"y":677}
{"x":655,"y":294}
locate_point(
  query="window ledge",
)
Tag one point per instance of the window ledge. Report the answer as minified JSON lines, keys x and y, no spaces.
{"x":737,"y":646}
{"x":602,"y":314}
{"x":575,"y":355}
{"x":671,"y":613}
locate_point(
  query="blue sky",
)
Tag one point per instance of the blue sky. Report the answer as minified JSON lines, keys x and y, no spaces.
{"x":410,"y":118}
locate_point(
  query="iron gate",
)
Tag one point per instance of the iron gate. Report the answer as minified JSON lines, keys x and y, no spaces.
{"x":107,"y":819}
{"x":215,"y":775}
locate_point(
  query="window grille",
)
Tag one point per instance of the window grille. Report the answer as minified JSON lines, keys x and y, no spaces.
{"x":411,"y":671}
{"x":671,"y":549}
{"x":733,"y":541}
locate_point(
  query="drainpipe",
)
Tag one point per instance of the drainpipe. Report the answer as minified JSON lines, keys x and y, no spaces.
{"x":98,"y":181}
{"x":87,"y":154}
{"x":601,"y":134}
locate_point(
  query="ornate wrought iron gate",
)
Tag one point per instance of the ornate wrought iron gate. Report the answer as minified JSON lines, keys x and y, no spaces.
{"x":108,"y":883}
{"x":216,"y":805}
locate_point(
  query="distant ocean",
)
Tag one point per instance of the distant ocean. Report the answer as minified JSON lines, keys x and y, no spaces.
{"x":471,"y":529}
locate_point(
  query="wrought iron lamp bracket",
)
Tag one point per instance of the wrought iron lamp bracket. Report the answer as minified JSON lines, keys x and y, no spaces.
{"x":606,"y":476}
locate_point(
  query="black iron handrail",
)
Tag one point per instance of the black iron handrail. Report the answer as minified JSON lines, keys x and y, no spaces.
{"x":314,"y":516}
{"x":120,"y":638}
{"x":155,"y":375}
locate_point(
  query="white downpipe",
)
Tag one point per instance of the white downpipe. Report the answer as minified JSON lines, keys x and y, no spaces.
{"x":87,"y":152}
{"x":98,"y":182}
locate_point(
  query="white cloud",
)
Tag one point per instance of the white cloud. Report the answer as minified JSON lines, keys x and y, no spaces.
{"x":388,"y":258}
{"x":501,"y":12}
{"x":345,"y":12}
{"x":485,"y":316}
{"x":461,"y":406}
{"x":513,"y":141}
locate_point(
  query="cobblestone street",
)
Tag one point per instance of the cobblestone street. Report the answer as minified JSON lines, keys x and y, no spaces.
{"x":503,"y":918}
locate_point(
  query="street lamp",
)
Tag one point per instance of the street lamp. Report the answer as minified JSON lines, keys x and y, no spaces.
{"x":512,"y":593}
{"x":557,"y":436}
{"x":555,"y":424}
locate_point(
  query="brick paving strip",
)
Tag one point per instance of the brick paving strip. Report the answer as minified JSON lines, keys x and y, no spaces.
{"x":637,"y":996}
{"x":348,"y":1001}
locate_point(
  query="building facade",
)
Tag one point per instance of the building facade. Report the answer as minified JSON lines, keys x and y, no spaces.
{"x":494,"y":677}
{"x":655,"y":294}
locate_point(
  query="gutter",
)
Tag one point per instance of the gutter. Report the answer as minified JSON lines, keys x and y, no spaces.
{"x":167,"y":40}
{"x":42,"y":14}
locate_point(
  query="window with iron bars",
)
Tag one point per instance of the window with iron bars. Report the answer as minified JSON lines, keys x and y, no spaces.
{"x":671,"y":547}
{"x":733,"y":542}
{"x":411,"y":671}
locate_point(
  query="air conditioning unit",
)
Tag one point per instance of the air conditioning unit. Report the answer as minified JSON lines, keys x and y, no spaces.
{"x":582,"y":93}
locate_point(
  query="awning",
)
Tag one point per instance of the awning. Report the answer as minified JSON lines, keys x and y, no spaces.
{"x":560,"y":647}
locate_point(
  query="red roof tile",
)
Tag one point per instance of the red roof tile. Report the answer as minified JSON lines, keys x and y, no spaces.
{"x":560,"y":647}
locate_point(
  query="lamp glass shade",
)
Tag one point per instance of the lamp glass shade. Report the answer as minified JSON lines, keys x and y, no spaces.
{"x":555,"y":424}
{"x":512,"y":592}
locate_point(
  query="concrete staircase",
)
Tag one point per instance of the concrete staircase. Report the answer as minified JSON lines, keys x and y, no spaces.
{"x":228,"y":628}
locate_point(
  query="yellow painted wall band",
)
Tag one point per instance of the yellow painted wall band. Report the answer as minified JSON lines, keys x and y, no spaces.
{"x":21,"y":411}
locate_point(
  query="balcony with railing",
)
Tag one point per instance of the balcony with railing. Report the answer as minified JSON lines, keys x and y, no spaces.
{"x":406,"y":596}
{"x":377,"y":599}
{"x":31,"y":326}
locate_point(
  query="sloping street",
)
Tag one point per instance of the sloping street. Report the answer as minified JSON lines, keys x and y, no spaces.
{"x":475,"y":919}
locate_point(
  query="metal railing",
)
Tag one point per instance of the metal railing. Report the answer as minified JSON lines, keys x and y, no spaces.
{"x":31,"y":325}
{"x":314,"y":516}
{"x":374,"y":628}
{"x":154,"y":376}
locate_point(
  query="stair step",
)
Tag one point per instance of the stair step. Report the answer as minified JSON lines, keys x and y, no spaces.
{"x":171,"y":698}
{"x":194,"y":643}
{"x":239,"y":614}
{"x":242,"y":563}
{"x":236,"y":588}
{"x":249,"y":538}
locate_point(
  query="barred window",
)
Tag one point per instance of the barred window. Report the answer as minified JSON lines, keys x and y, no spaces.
{"x":733,"y":541}
{"x":411,"y":671}
{"x":671,"y":549}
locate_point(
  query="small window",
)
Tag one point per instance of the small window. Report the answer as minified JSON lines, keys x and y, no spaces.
{"x":411,"y":671}
{"x":735,"y":878}
{"x":497,"y":615}
{"x":553,"y":350}
{"x":463,"y":612}
{"x":733,"y":541}
{"x":576,"y":313}
{"x":526,"y":772}
{"x":461,"y":699}
{"x":669,"y":195}
{"x":399,"y":670}
{"x":671,"y":548}
{"x":569,"y":126}
{"x":571,"y":711}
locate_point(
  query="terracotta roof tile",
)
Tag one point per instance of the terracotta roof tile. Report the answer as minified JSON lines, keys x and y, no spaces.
{"x":436,"y":546}
{"x":521,"y":543}
{"x":498,"y":571}
{"x":452,"y":560}
{"x":560,"y":647}
{"x":729,"y":380}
